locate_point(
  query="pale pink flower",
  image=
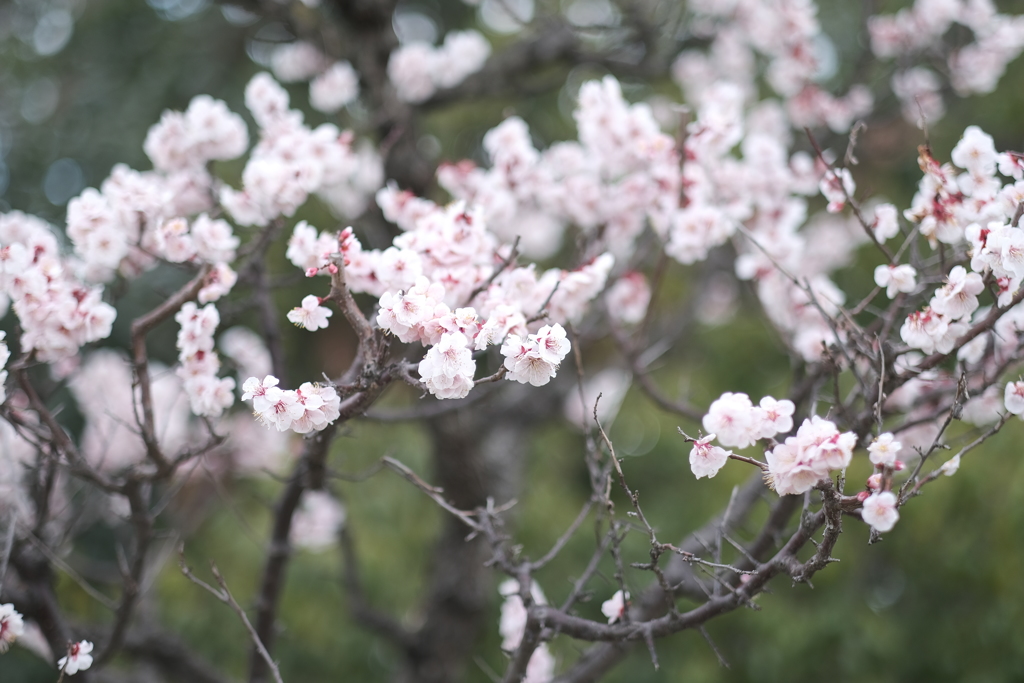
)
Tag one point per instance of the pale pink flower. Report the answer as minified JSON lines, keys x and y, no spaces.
{"x":706,"y":460}
{"x":880,"y":511}
{"x":733,"y":419}
{"x":777,"y":416}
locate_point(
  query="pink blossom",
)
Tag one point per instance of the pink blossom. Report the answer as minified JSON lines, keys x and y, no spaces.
{"x":706,"y":460}
{"x":880,"y":511}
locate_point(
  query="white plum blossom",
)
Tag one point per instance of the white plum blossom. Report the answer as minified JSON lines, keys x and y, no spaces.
{"x":336,"y":87}
{"x":311,"y":315}
{"x":896,"y":279}
{"x":880,"y":511}
{"x":777,"y":416}
{"x":706,"y":460}
{"x":447,"y":369}
{"x":883,"y":450}
{"x":310,"y":408}
{"x":77,"y":658}
{"x":733,"y":419}
{"x":535,"y":359}
{"x":958,"y":298}
{"x":12,"y":626}
{"x":615,"y":607}
{"x":975,"y":152}
{"x":1013,"y":398}
{"x":886,"y":224}
{"x":930,"y":331}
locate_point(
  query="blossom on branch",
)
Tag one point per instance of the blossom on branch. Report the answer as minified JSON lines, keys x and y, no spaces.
{"x":311,"y":315}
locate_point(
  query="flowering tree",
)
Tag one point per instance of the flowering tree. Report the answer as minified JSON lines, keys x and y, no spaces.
{"x":535,"y":281}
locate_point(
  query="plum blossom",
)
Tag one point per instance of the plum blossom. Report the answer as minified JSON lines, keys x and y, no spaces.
{"x":614,"y":608}
{"x":880,"y":511}
{"x":447,"y":369}
{"x":883,"y":450}
{"x":706,"y":460}
{"x":11,"y":626}
{"x":337,"y":86}
{"x":535,"y":359}
{"x":77,"y":658}
{"x":886,"y":224}
{"x":896,"y":279}
{"x":1014,"y":398}
{"x":777,"y":416}
{"x":311,"y":315}
{"x":931,"y":331}
{"x":310,"y":408}
{"x":805,"y":459}
{"x":958,"y":298}
{"x":733,"y":419}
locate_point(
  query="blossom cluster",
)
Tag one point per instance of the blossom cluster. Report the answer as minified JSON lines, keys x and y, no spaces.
{"x":805,"y":459}
{"x":208,"y":394}
{"x":334,"y":83}
{"x":788,"y":35}
{"x":131,"y":218}
{"x":418,"y":69}
{"x":975,"y":209}
{"x":734,"y":421}
{"x":309,"y":408}
{"x":444,"y":257}
{"x":292,"y":161}
{"x":58,"y":312}
{"x":973,"y":68}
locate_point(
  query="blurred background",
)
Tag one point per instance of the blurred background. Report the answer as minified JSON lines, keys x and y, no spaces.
{"x":940,"y":599}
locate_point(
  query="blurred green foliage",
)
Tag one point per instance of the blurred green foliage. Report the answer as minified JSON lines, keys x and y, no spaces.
{"x":940,"y":599}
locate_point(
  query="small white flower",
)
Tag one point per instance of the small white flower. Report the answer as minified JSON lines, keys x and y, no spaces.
{"x":11,"y":626}
{"x":311,"y":315}
{"x":77,"y":659}
{"x":883,"y":450}
{"x":880,"y":511}
{"x":615,"y":607}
